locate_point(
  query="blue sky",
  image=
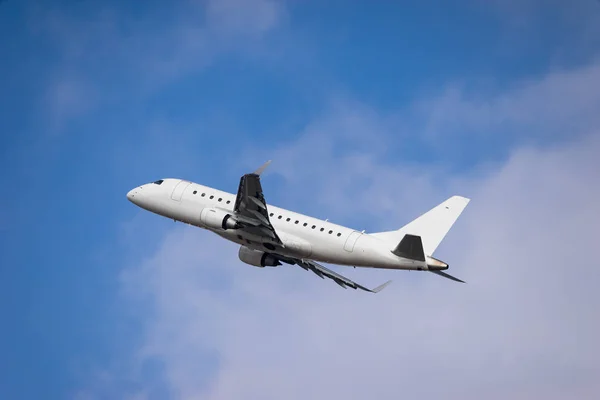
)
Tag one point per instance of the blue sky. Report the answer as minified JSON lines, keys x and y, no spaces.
{"x":372,"y":113}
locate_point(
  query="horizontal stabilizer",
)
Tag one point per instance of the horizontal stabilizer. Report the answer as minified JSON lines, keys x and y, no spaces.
{"x":445,"y":275}
{"x":410,"y":247}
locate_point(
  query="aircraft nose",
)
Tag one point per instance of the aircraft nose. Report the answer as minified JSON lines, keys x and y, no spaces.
{"x":131,"y":195}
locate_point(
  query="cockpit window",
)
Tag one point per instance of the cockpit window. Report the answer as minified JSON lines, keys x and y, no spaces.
{"x":158,"y":182}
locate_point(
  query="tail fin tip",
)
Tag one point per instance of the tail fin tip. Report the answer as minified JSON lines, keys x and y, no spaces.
{"x":431,"y":226}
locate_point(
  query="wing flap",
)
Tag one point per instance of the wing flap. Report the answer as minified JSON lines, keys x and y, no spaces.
{"x":257,"y":202}
{"x":344,"y":282}
{"x":258,"y":215}
{"x":247,"y":220}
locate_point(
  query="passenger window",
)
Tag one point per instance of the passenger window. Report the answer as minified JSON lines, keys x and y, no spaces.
{"x":211,"y":197}
{"x":305,"y":224}
{"x":228,"y":201}
{"x":203,"y":194}
{"x":314,"y":226}
{"x":288,"y":219}
{"x":330,"y":232}
{"x":195,"y":191}
{"x":339,"y":234}
{"x":322,"y":229}
{"x":296,"y":221}
{"x":279,"y":217}
{"x":220,"y":199}
{"x":270,"y":215}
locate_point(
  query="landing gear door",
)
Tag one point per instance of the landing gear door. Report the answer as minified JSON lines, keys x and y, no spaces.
{"x":179,"y":189}
{"x":351,"y":241}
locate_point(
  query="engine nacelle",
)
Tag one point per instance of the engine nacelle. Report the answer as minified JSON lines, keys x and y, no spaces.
{"x":257,"y":258}
{"x":218,"y":219}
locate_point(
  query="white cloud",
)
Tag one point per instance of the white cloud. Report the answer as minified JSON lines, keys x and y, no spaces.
{"x":526,"y":318}
{"x":103,"y":52}
{"x":240,"y":17}
{"x":524,"y":326}
{"x":360,"y":146}
{"x":66,"y":99}
{"x":560,"y":104}
{"x":571,"y":28}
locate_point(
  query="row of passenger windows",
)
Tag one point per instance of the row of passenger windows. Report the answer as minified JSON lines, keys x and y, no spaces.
{"x":279,"y":217}
{"x":304,"y":224}
{"x":212,"y":197}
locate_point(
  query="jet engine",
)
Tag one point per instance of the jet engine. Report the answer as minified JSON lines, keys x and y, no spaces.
{"x":257,"y":258}
{"x":216,"y":218}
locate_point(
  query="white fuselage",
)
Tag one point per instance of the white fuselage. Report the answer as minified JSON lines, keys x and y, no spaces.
{"x":303,"y":236}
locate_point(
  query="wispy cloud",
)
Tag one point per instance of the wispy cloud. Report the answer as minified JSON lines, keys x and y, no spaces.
{"x":104,"y":52}
{"x":522,"y":327}
{"x":517,"y":319}
{"x":66,"y":99}
{"x":559,"y":105}
{"x":363,"y":147}
{"x":238,"y":18}
{"x":209,"y":89}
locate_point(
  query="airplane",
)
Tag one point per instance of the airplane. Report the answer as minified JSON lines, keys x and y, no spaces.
{"x":269,"y":236}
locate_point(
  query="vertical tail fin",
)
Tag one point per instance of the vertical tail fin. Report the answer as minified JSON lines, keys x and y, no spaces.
{"x":432,"y":226}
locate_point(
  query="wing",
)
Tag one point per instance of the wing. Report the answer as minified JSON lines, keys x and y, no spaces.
{"x":344,"y":282}
{"x":251,"y":209}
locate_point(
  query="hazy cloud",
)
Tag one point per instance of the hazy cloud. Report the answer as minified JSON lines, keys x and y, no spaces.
{"x":526,"y":317}
{"x":239,"y":17}
{"x":523,"y":327}
{"x":103,"y":52}
{"x":561,"y":104}
{"x":67,"y":99}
